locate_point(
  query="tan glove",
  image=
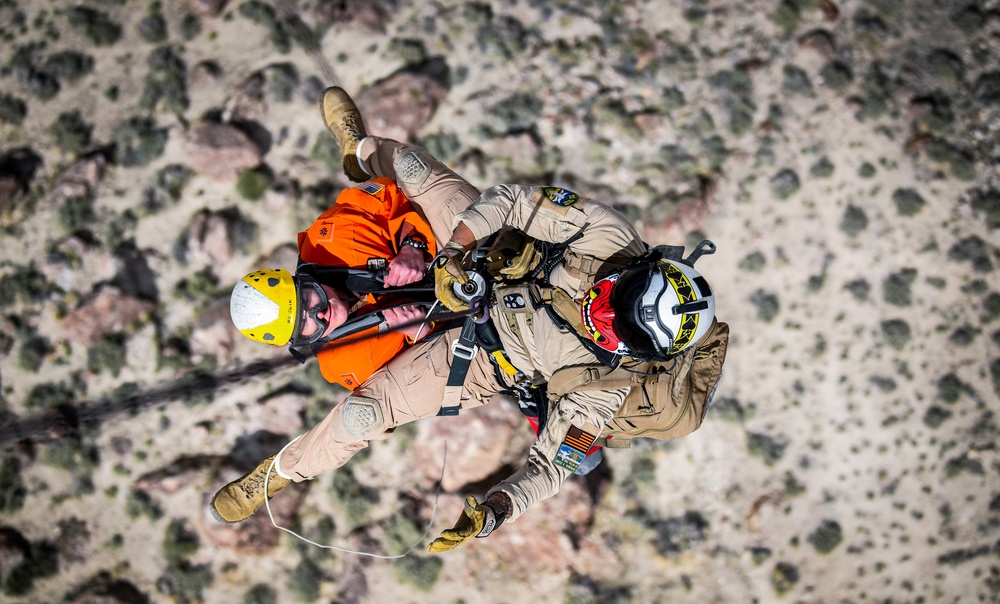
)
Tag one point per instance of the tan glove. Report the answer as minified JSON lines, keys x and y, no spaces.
{"x":447,"y":272}
{"x":469,"y":525}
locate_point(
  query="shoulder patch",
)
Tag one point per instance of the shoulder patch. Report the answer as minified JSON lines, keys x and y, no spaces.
{"x":574,"y":448}
{"x":559,"y":196}
{"x":371,"y":187}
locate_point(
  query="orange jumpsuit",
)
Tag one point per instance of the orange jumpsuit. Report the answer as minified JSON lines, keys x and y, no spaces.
{"x":364,"y":223}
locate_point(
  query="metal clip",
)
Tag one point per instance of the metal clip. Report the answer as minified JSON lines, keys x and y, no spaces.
{"x":462,"y":351}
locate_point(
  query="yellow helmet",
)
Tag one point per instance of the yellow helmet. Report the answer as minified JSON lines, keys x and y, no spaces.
{"x":265,"y":306}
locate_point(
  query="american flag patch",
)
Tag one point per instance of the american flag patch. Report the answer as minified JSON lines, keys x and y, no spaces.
{"x":371,"y":187}
{"x":574,"y":448}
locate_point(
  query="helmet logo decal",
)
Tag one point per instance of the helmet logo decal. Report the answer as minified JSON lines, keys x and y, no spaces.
{"x":685,"y":294}
{"x":560,"y":197}
{"x":597,"y":315}
{"x":253,"y":308}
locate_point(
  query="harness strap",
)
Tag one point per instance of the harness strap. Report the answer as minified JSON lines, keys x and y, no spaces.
{"x":463,"y":349}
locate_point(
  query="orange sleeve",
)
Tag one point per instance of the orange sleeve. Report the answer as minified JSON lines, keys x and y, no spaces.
{"x":351,"y":364}
{"x":364,"y":223}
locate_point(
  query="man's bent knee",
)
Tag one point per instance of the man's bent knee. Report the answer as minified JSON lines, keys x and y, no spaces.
{"x":362,"y":417}
{"x":412,"y":169}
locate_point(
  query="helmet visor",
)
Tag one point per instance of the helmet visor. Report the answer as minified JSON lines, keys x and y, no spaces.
{"x":635,"y":328}
{"x":309,"y":326}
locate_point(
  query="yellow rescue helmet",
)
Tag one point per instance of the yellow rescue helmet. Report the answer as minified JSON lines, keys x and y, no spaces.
{"x":265,"y":306}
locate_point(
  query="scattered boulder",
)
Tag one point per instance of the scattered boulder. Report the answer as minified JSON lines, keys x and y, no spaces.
{"x":363,"y":14}
{"x":541,"y":541}
{"x":819,"y":41}
{"x":102,"y":589}
{"x":399,"y":106}
{"x":179,"y":474}
{"x":247,"y":102}
{"x":10,"y":192}
{"x":206,"y":8}
{"x":213,"y":335}
{"x":108,"y":311}
{"x":478,"y":442}
{"x":221,"y":151}
{"x":78,"y":180}
{"x":212,"y":237}
{"x":72,"y":540}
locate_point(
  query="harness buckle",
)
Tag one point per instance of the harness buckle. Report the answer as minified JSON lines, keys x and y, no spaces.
{"x":462,"y":351}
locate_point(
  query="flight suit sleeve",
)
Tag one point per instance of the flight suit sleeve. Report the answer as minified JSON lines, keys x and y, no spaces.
{"x":555,"y":215}
{"x":575,"y":422}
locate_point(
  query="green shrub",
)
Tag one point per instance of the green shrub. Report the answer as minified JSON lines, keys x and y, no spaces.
{"x":97,"y":26}
{"x":138,"y":141}
{"x":153,"y":29}
{"x":827,"y":536}
{"x":12,"y":109}
{"x":107,"y":354}
{"x":767,"y":448}
{"x":70,"y":133}
{"x":785,"y":183}
{"x":784,"y":577}
{"x":855,"y":220}
{"x":252,"y":184}
{"x":69,"y":65}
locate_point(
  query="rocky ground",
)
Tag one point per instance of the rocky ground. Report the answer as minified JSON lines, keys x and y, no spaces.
{"x":843,"y":154}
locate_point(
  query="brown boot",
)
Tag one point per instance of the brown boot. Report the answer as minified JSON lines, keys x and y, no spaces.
{"x":343,"y":121}
{"x":239,"y":499}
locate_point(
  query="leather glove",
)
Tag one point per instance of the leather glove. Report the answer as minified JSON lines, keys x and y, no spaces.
{"x":447,"y":272}
{"x":474,"y":517}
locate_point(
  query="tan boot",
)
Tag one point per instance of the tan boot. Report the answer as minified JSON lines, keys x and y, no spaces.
{"x":239,"y":499}
{"x":343,"y":121}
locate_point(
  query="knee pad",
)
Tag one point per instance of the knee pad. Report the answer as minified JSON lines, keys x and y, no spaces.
{"x":361,"y":416}
{"x":412,"y":169}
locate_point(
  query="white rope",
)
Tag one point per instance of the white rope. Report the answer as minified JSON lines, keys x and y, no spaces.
{"x":430,"y":523}
{"x":419,"y":331}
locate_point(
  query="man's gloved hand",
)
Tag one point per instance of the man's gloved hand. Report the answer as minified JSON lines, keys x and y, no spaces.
{"x":447,"y":272}
{"x":468,"y":526}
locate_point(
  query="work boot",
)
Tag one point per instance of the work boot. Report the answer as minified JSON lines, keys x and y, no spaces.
{"x":343,"y":121}
{"x":239,"y":499}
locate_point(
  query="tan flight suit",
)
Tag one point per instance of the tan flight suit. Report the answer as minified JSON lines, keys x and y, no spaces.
{"x":411,"y":386}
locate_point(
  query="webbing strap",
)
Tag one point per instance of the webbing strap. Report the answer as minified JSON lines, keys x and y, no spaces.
{"x":464,"y":349}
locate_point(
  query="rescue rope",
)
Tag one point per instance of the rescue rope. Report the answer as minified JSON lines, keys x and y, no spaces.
{"x":430,"y":523}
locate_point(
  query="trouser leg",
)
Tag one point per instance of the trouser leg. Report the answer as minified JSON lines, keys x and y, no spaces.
{"x":410,"y":387}
{"x":435,"y":189}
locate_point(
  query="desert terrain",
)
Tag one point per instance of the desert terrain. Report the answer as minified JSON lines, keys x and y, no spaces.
{"x":843,"y":155}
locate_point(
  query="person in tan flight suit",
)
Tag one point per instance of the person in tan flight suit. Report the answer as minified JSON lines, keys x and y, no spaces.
{"x":414,"y":384}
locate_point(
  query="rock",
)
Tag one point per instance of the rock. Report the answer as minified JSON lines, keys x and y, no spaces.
{"x":363,"y":14}
{"x":247,"y":102}
{"x":254,"y":535}
{"x":106,"y":312}
{"x":179,"y":474}
{"x":10,"y":192}
{"x":210,"y":239}
{"x":819,"y":41}
{"x":689,"y":216}
{"x":479,"y":442}
{"x":102,"y":589}
{"x":205,"y":73}
{"x":539,"y":541}
{"x":213,"y":335}
{"x":401,"y":105}
{"x":206,"y":8}
{"x":72,"y":540}
{"x":78,"y":180}
{"x":221,"y":151}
